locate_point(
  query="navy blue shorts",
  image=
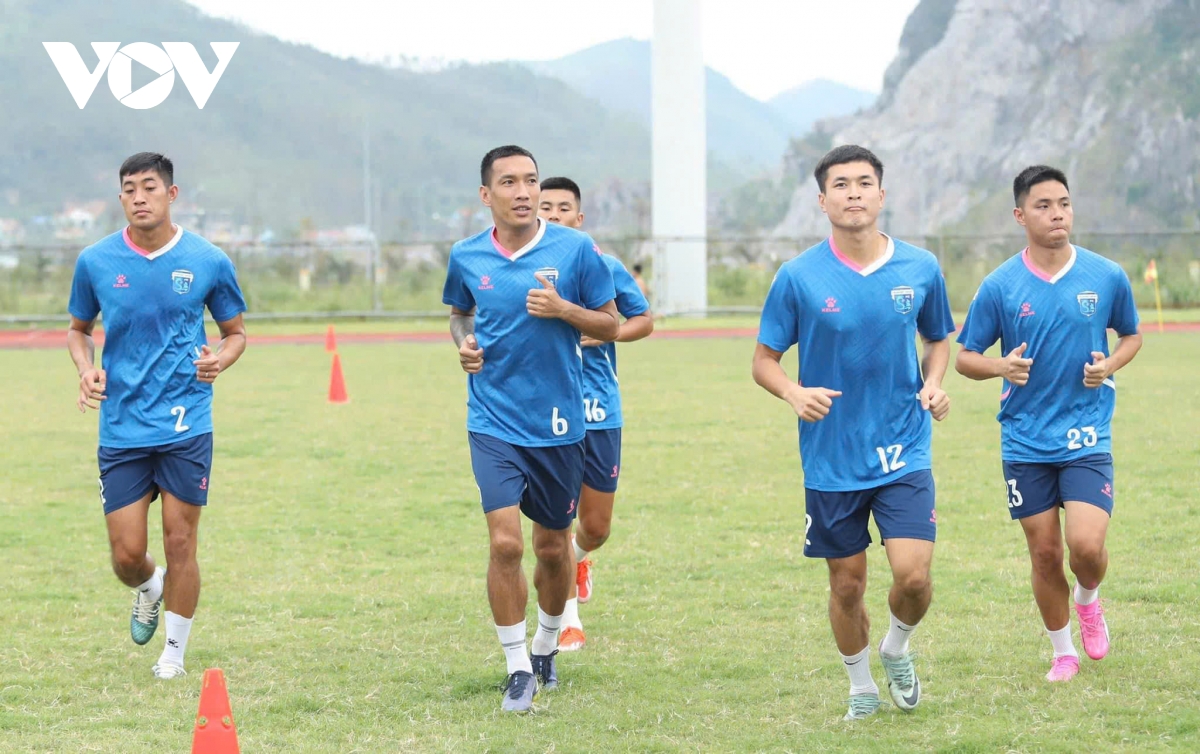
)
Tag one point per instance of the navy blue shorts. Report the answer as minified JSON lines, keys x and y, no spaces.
{"x":602,"y":453}
{"x":543,"y":481}
{"x":180,"y":468}
{"x":835,"y":524}
{"x":1036,"y":487}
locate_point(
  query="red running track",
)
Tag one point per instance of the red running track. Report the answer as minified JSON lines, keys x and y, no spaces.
{"x":44,"y":338}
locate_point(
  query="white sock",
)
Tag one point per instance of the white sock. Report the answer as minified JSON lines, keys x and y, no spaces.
{"x":545,"y":640}
{"x":1061,"y":639}
{"x":1086,"y":596}
{"x":178,"y":629}
{"x":859,"y":668}
{"x":570,"y":616}
{"x":153,"y":587}
{"x":512,"y":639}
{"x":895,"y":643}
{"x":580,"y":553}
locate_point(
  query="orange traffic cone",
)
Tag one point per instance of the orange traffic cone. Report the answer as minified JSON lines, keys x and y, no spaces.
{"x":337,"y":383}
{"x":215,"y":732}
{"x":330,"y":341}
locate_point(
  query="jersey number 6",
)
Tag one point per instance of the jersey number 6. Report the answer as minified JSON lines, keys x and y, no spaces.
{"x":558,"y":425}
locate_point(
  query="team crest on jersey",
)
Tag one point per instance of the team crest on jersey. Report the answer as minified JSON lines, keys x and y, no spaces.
{"x":181,"y":281}
{"x":1087,"y":303}
{"x":902,"y":298}
{"x":550,"y":273}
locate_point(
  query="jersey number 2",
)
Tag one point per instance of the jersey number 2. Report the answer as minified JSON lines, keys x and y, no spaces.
{"x":179,"y":412}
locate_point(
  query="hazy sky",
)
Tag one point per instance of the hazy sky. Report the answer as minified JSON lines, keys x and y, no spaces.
{"x":849,"y":42}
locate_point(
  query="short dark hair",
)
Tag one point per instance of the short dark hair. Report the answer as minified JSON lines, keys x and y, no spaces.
{"x":562,"y":184}
{"x":149,"y":161}
{"x":1032,"y":176}
{"x":638,"y":268}
{"x":499,"y":153}
{"x":842,"y":155}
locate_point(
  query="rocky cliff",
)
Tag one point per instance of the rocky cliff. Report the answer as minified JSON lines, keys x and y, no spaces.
{"x":1109,"y":90}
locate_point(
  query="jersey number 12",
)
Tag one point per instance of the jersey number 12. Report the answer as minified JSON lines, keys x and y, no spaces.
{"x":894,"y":464}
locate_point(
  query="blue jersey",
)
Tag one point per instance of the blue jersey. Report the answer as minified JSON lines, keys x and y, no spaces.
{"x":601,"y":394}
{"x":530,"y":390}
{"x":153,"y":305}
{"x":856,"y":329}
{"x":1063,"y":319}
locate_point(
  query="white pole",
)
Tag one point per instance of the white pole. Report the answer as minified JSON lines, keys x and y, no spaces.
{"x":679,"y":190}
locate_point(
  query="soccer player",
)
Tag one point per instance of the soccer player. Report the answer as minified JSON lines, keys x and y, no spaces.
{"x":1051,"y":306}
{"x":641,"y":282}
{"x":521,"y":295}
{"x":854,"y":304}
{"x":154,"y":390}
{"x":560,"y":203}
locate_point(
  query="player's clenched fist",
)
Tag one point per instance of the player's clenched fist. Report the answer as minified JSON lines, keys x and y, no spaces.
{"x":935,"y":401}
{"x":91,"y":388}
{"x":1015,"y":367}
{"x":1095,"y":373}
{"x":470,"y":355}
{"x":812,"y":404}
{"x":208,"y":366}
{"x":545,"y":302}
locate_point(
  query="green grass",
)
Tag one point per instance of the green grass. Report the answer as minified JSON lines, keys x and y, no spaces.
{"x":344,"y":551}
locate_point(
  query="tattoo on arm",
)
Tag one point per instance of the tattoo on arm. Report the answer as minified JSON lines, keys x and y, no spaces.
{"x":461,"y":325}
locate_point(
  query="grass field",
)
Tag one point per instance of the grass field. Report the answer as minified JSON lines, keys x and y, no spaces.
{"x":343,"y":555}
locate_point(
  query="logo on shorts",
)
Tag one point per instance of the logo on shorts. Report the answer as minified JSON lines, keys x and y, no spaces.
{"x":902,"y":298}
{"x":181,"y":281}
{"x":550,"y":273}
{"x":1027,"y":310}
{"x":1107,"y":490}
{"x":204,"y":483}
{"x":485,"y":283}
{"x":120,"y":282}
{"x":831,"y":306}
{"x":933,"y":515}
{"x":571,"y":509}
{"x":614,"y":474}
{"x":1087,"y":303}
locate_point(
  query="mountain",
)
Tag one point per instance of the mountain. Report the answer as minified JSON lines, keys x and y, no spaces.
{"x":802,"y":106}
{"x":743,"y":132}
{"x":1104,"y":89}
{"x":280,"y":141}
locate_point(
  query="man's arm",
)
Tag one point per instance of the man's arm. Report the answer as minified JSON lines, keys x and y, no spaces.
{"x":1102,"y":368}
{"x":933,"y":368}
{"x":210,"y":365}
{"x":462,"y":329}
{"x":602,"y":324}
{"x":636,"y":328}
{"x":810,"y":404}
{"x":82,"y":348}
{"x":233,"y":341}
{"x":80,"y":344}
{"x":462,"y":324}
{"x":1013,"y":367}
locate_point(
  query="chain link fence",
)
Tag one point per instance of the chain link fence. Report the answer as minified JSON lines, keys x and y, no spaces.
{"x":361,"y":280}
